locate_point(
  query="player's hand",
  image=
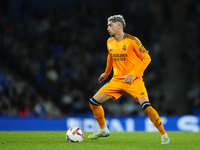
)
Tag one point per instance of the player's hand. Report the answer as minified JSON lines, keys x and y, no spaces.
{"x":129,"y":79}
{"x":102,"y":78}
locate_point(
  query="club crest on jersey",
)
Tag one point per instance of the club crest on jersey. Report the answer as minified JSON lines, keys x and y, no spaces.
{"x":111,"y":49}
{"x":124,"y":47}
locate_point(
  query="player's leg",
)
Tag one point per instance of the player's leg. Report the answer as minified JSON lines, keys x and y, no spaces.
{"x":154,"y":117}
{"x":108,"y":91}
{"x":152,"y":114}
{"x":98,"y":111}
{"x":138,"y":90}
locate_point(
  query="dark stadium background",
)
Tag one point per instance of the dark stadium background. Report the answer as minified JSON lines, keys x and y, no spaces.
{"x":53,"y":51}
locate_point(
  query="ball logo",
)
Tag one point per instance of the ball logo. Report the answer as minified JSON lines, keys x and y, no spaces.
{"x":75,"y":135}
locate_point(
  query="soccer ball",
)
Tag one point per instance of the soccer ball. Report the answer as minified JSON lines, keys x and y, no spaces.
{"x":74,"y":134}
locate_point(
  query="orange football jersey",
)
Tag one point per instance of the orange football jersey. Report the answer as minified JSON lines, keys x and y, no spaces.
{"x":126,"y":57}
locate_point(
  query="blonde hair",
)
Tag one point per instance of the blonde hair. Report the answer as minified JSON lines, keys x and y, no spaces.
{"x":118,"y":18}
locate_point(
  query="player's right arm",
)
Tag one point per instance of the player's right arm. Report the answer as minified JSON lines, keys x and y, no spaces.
{"x":102,"y":78}
{"x":109,"y":65}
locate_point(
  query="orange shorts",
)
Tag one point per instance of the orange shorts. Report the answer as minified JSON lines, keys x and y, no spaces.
{"x":115,"y":88}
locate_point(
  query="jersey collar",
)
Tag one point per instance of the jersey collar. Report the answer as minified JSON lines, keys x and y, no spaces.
{"x":124,"y":35}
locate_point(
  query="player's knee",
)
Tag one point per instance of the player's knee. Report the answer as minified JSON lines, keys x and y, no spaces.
{"x":94,"y":102}
{"x":145,"y":105}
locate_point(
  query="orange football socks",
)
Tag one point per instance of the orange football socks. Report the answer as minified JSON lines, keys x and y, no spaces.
{"x":155,"y":119}
{"x":98,"y":112}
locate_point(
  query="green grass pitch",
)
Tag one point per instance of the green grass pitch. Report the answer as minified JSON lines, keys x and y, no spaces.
{"x":116,"y":141}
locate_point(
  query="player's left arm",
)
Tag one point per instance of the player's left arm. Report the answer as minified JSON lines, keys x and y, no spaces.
{"x":143,"y":54}
{"x":139,"y":71}
{"x":141,"y":68}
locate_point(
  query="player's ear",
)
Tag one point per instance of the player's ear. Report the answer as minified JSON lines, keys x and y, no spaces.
{"x":120,"y":25}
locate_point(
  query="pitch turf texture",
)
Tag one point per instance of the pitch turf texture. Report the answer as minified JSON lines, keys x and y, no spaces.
{"x":116,"y":141}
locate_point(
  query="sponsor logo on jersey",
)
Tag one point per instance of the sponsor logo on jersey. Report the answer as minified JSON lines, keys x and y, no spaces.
{"x":119,"y":57}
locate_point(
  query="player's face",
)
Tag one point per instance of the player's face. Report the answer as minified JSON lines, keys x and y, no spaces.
{"x":112,"y":28}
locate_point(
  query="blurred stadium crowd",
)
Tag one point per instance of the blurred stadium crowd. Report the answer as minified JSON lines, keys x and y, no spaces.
{"x":53,"y":58}
{"x":192,"y":55}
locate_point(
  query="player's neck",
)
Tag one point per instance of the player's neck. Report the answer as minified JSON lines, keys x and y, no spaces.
{"x":119,"y":36}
